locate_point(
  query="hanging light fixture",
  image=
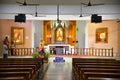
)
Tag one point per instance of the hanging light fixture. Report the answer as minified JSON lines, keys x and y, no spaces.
{"x":81,"y":15}
{"x":58,"y":22}
{"x":58,"y":15}
{"x":36,"y":14}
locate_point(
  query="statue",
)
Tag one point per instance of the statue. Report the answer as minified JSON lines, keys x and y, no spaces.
{"x":59,"y":34}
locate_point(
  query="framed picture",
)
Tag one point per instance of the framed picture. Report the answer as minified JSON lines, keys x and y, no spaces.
{"x":17,"y":35}
{"x":102,"y":35}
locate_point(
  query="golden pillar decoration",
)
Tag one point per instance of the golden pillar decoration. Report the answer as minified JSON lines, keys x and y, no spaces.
{"x":47,"y":32}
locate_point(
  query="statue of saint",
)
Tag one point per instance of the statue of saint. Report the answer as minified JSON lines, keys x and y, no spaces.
{"x":59,"y":34}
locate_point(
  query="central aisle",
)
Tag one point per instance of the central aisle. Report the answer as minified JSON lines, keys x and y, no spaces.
{"x":59,"y":70}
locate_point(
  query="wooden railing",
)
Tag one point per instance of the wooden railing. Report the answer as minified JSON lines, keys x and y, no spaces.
{"x":22,"y":51}
{"x":93,"y":51}
{"x":77,"y":51}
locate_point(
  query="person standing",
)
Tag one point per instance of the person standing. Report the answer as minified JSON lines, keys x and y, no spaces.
{"x":5,"y":50}
{"x":6,"y":41}
{"x":41,"y":52}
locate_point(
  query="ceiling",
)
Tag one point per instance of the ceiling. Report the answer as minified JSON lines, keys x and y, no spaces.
{"x":68,"y":9}
{"x":61,"y":2}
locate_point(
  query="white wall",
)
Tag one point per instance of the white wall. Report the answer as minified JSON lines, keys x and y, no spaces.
{"x":81,"y":25}
{"x":113,"y":35}
{"x":37,"y":32}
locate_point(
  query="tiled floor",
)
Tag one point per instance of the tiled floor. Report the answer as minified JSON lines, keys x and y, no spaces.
{"x":59,"y":70}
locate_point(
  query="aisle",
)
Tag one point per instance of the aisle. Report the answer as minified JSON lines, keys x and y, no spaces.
{"x":59,"y":70}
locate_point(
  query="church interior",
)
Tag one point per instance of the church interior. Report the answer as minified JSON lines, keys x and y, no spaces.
{"x":80,"y":39}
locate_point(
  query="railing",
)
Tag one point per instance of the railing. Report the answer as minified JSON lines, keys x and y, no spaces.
{"x":77,"y":51}
{"x":22,"y":51}
{"x":93,"y":51}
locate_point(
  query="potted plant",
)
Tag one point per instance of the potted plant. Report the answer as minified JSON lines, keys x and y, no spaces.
{"x":35,"y":54}
{"x":46,"y":56}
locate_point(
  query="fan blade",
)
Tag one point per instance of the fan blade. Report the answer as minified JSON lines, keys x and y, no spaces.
{"x":19,"y":2}
{"x":90,"y":4}
{"x":33,"y":4}
{"x":84,"y":3}
{"x":93,"y":5}
{"x":25,"y":4}
{"x":97,"y":4}
{"x":29,"y":4}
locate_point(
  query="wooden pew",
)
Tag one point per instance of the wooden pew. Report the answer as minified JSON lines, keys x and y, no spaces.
{"x":79,"y":64}
{"x":24,"y":60}
{"x":91,"y":78}
{"x":99,"y":70}
{"x":94,"y":63}
{"x":93,"y":66}
{"x":19,"y":69}
{"x":101,"y":75}
{"x":12,"y":78}
{"x":90,"y":60}
{"x":30,"y":70}
{"x":33,"y":63}
{"x":35,"y":72}
{"x":26,"y":75}
{"x":21,"y":60}
{"x":23,"y":63}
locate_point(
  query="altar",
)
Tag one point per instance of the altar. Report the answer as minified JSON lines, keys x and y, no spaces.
{"x":60,"y":49}
{"x":58,"y":37}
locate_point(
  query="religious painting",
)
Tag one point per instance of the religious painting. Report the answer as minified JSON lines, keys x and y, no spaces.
{"x":17,"y":35}
{"x":102,"y":35}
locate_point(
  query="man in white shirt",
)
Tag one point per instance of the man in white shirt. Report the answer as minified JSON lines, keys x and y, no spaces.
{"x":5,"y":50}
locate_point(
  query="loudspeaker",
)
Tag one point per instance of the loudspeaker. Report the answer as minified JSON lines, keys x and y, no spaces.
{"x":96,"y":19}
{"x":20,"y":18}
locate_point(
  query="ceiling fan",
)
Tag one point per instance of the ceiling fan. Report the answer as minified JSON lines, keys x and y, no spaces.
{"x":81,"y":12}
{"x":25,"y":3}
{"x":36,"y":12}
{"x":90,"y":4}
